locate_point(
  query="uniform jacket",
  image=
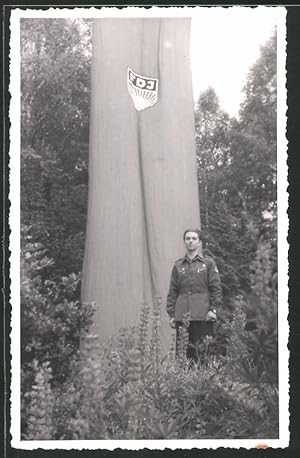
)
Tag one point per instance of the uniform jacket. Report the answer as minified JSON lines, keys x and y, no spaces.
{"x":195,"y":288}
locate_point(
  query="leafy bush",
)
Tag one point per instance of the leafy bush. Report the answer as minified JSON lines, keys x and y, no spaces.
{"x":38,"y":405}
{"x":52,"y":321}
{"x":126,"y":389}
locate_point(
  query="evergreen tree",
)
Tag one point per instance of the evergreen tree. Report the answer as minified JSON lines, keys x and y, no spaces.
{"x":237,"y":172}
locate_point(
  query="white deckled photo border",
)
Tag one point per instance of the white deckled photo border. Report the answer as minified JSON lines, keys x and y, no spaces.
{"x":14,"y":244}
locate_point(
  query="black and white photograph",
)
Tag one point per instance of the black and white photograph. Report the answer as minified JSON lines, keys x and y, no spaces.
{"x":148,"y":219}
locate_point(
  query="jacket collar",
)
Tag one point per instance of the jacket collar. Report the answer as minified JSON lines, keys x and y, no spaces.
{"x":197,"y":257}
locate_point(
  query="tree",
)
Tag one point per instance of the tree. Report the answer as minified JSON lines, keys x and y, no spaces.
{"x":237,"y":172}
{"x":55,"y":87}
{"x":254,"y":143}
{"x":54,"y":134}
{"x":220,"y":223}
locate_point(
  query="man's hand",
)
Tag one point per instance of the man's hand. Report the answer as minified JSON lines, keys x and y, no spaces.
{"x":211,"y":315}
{"x":172,"y":323}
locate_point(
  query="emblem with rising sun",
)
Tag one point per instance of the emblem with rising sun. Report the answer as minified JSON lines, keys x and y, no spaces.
{"x":143,"y":90}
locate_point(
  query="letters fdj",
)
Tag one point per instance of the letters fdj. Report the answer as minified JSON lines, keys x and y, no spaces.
{"x":142,"y":82}
{"x":142,"y":89}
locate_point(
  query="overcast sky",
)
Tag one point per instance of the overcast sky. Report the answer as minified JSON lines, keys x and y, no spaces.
{"x":225,"y":43}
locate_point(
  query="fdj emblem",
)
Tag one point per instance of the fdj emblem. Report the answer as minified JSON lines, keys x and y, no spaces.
{"x":143,"y":90}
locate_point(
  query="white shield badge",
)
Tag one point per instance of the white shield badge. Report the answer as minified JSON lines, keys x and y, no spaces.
{"x":143,"y":90}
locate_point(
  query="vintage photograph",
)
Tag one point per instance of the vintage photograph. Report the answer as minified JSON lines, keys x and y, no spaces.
{"x":148,"y":217}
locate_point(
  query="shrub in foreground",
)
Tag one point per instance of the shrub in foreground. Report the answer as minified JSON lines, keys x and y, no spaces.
{"x":127,"y":389}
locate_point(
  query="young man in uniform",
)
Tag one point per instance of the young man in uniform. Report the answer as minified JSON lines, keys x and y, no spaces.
{"x":195,"y":289}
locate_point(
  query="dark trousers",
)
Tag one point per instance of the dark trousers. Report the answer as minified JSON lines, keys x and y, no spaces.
{"x":197,"y":330}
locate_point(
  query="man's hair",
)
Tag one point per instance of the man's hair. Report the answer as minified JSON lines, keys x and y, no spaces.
{"x":197,"y":231}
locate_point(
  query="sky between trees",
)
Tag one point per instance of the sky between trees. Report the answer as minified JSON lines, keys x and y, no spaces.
{"x":225,"y":44}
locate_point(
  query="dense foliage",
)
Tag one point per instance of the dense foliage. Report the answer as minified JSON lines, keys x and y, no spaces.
{"x":55,"y":85}
{"x":237,"y":172}
{"x":126,"y":389}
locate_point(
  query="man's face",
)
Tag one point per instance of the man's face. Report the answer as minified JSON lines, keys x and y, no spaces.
{"x":192,"y":242}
